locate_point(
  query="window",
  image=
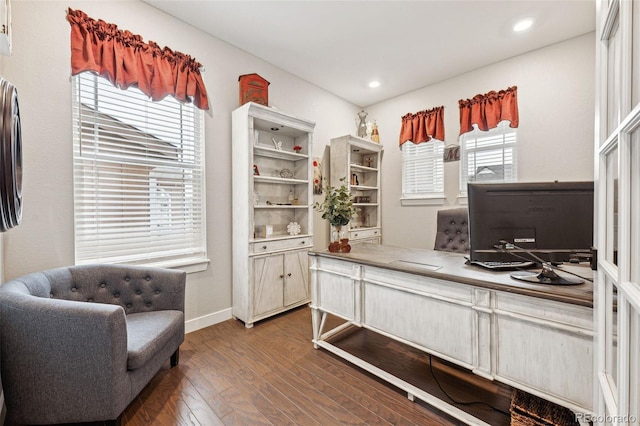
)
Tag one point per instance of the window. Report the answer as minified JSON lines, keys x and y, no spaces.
{"x":138,"y":177}
{"x":422,"y":171}
{"x":488,"y":156}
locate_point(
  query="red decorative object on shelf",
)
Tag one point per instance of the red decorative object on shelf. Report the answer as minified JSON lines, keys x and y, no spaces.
{"x":254,"y":88}
{"x":297,"y":148}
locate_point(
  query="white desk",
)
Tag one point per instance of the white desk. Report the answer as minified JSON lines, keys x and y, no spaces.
{"x":534,"y":337}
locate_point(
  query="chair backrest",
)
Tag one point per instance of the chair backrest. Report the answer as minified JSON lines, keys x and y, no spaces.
{"x":453,"y":230}
{"x":135,"y":288}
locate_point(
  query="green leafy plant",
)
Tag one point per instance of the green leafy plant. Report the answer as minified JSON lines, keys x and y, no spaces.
{"x":337,"y":206}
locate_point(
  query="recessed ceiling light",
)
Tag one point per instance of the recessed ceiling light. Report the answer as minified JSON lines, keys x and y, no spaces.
{"x":523,"y":24}
{"x":374,"y":84}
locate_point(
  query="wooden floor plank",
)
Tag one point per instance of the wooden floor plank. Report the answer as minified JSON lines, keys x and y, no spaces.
{"x":322,"y":381}
{"x":238,"y":372}
{"x":297,"y":414}
{"x":302,"y":399}
{"x":207,"y":386}
{"x":198,"y":405}
{"x":244,"y":413}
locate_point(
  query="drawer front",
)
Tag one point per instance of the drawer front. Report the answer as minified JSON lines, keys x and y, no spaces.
{"x":375,"y":240}
{"x":278,"y":245}
{"x":356,"y":234}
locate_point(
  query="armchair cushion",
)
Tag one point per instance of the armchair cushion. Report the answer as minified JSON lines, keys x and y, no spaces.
{"x":148,"y":332}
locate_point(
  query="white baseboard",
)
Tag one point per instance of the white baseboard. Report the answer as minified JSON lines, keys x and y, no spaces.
{"x":207,"y":320}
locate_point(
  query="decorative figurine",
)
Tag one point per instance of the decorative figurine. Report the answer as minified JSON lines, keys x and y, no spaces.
{"x":293,"y":228}
{"x":375,"y":136}
{"x":362,"y":124}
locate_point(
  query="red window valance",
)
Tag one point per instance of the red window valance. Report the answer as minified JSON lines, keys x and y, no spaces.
{"x":422,"y":126}
{"x":125,"y":60}
{"x":487,"y":110}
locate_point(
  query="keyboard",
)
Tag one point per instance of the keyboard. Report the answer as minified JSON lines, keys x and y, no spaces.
{"x":504,"y":266}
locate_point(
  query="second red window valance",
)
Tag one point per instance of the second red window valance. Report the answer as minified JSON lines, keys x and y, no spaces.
{"x":487,"y":110}
{"x":423,"y":126}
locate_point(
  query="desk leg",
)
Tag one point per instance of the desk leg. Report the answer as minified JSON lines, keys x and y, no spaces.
{"x":317,"y":323}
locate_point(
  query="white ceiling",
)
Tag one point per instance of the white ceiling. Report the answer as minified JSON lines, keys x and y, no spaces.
{"x":341,"y":45}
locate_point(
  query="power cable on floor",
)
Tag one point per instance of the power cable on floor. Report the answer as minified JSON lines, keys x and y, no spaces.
{"x":462,"y":402}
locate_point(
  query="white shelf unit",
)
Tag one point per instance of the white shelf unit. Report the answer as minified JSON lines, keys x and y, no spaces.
{"x":358,"y":162}
{"x":270,"y":271}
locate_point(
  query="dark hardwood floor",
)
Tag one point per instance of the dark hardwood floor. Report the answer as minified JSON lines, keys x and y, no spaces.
{"x":271,"y":375}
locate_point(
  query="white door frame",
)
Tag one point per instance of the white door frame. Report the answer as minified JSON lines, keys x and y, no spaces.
{"x":617,"y":214}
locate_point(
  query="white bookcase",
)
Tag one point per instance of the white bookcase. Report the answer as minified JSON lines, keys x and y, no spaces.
{"x":272,"y":211}
{"x":358,"y":162}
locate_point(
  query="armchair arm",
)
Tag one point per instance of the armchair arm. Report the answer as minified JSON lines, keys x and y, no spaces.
{"x":47,"y":344}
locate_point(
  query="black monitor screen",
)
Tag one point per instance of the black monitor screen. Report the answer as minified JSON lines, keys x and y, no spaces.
{"x":554,"y":220}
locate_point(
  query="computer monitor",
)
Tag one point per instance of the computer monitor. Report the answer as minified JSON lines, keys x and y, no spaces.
{"x":553,"y":220}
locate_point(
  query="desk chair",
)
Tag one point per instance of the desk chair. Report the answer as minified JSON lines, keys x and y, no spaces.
{"x":453,"y":230}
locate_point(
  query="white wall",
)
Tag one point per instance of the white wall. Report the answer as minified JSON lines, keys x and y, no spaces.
{"x":555,"y":137}
{"x":40,"y":69}
{"x":555,"y":87}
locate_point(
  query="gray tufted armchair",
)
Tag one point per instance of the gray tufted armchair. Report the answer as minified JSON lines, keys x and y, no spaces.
{"x":452,"y":232}
{"x":77,"y":344}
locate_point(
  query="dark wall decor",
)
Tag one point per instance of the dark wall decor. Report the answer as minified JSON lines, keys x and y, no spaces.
{"x":10,"y":157}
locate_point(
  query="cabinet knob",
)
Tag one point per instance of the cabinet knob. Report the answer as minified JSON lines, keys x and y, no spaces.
{"x":302,"y":242}
{"x":264,"y":247}
{"x":355,"y":235}
{"x":281,"y":276}
{"x":289,"y":274}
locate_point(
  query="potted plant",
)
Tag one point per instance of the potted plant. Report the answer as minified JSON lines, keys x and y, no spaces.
{"x":337,"y":208}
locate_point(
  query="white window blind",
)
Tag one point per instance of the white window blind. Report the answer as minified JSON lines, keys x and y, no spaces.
{"x":422,"y":169}
{"x":138,"y":176}
{"x":489,"y":156}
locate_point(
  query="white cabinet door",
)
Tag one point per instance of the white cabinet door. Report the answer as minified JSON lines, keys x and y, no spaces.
{"x":296,"y":279}
{"x":281,"y":280}
{"x":269,"y":284}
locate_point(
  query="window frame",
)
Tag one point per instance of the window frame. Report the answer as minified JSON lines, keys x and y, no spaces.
{"x":431,"y":153}
{"x":509,"y":141}
{"x":108,"y":142}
